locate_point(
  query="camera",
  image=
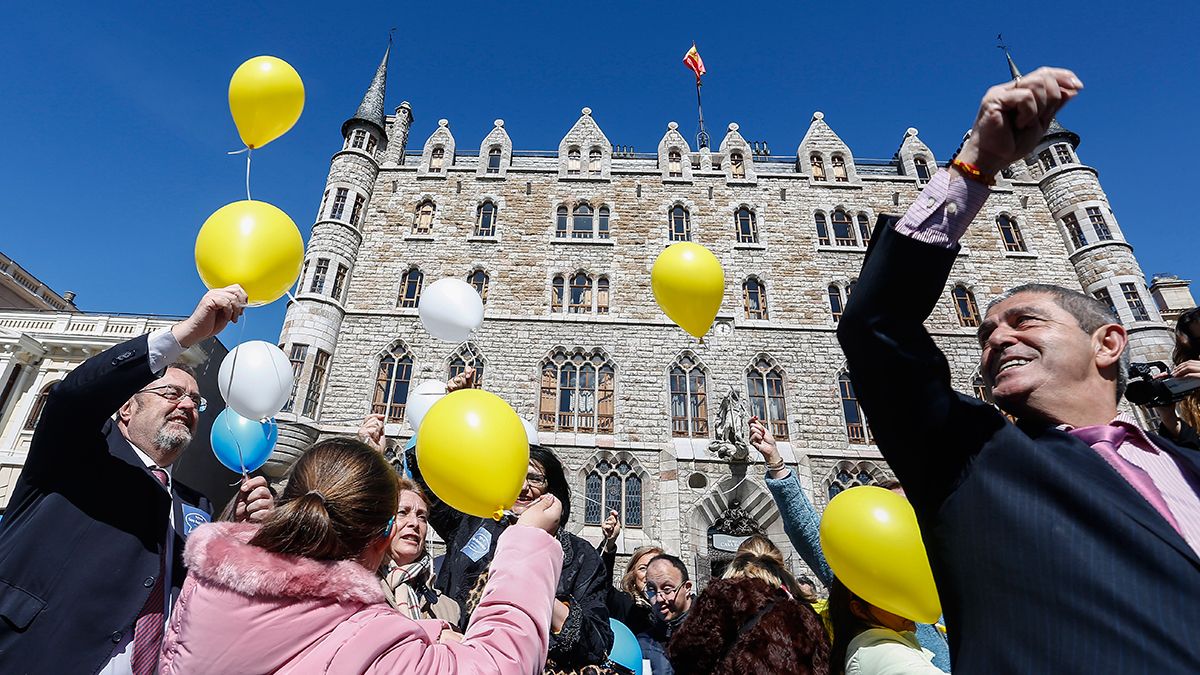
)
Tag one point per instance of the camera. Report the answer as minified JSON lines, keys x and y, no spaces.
{"x":1145,"y":389}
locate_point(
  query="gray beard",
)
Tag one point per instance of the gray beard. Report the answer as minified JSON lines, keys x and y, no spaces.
{"x":170,"y":440}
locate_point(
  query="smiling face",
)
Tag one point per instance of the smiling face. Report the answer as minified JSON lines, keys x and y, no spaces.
{"x":408,"y":532}
{"x":535,"y":486}
{"x":159,"y":427}
{"x":1040,"y":362}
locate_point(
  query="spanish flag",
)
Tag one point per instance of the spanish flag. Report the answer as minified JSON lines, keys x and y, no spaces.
{"x":693,"y":61}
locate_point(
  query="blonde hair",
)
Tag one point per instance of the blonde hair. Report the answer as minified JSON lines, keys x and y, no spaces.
{"x":759,"y":558}
{"x":629,"y":579}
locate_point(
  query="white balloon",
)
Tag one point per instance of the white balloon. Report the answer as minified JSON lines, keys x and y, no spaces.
{"x":255,"y":379}
{"x":531,"y":432}
{"x":450,"y":309}
{"x":421,"y":399}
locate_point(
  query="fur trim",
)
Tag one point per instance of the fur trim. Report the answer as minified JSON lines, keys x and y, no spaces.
{"x":219,"y":553}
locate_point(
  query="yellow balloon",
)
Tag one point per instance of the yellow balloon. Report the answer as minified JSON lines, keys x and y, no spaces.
{"x":871,"y":540}
{"x":688,"y":284}
{"x":253,"y":244}
{"x":266,"y":97}
{"x":473,"y":452}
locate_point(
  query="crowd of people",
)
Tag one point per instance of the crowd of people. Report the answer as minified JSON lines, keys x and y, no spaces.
{"x":1066,"y":541}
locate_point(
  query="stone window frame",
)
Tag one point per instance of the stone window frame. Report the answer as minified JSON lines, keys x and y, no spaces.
{"x":601,"y":214}
{"x":405,"y":279}
{"x":552,"y":418}
{"x":763,"y":365}
{"x":494,"y":153}
{"x":1111,"y":286}
{"x":415,"y":230}
{"x":478,"y":230}
{"x":437,"y":159}
{"x":595,"y":164}
{"x":816,"y":167}
{"x":1064,"y":154}
{"x":297,"y":356}
{"x":688,"y":213}
{"x":574,"y":161}
{"x":1019,"y":236}
{"x":837,"y":161}
{"x":920,"y":164}
{"x":857,"y":432}
{"x":317,"y":376}
{"x":320,"y":271}
{"x":1086,"y":225}
{"x":855,"y":469}
{"x":480,"y":285}
{"x":695,"y":422}
{"x":594,"y":513}
{"x":467,"y":355}
{"x":970,"y":317}
{"x":385,"y":405}
{"x":563,"y":285}
{"x":755,"y":231}
{"x":843,"y":288}
{"x":340,"y":285}
{"x":38,"y":406}
{"x":763,"y":312}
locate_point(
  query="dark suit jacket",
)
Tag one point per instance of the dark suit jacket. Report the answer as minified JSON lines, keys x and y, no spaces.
{"x":80,"y":541}
{"x":1046,"y":560}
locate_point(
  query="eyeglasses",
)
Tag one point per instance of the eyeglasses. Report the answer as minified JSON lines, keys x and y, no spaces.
{"x":667,"y":592}
{"x":536,"y":480}
{"x":173,"y":393}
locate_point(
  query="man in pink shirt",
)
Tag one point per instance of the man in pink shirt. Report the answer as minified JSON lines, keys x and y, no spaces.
{"x":1096,"y":520}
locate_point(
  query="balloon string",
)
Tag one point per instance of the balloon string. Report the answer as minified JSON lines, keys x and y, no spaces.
{"x":246,"y":150}
{"x":232,"y":378}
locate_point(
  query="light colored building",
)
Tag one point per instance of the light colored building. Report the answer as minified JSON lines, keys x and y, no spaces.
{"x":560,"y":244}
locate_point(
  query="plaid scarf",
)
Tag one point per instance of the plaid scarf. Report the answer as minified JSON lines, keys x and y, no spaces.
{"x":404,"y":585}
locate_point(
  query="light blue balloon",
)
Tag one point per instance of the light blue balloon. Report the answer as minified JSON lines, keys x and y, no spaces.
{"x":626,"y":652}
{"x":242,"y":445}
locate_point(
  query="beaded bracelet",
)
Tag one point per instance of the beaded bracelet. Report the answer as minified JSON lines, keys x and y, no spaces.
{"x":972,"y":172}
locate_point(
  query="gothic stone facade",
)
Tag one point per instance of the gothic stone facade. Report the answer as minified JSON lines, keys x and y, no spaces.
{"x":393,"y":217}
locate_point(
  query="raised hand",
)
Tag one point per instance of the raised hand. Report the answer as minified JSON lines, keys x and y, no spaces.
{"x":1013,"y":117}
{"x":371,"y":432}
{"x":254,"y":502}
{"x":544,"y":514}
{"x":611,"y":527}
{"x":215,"y":310}
{"x":463,"y":380}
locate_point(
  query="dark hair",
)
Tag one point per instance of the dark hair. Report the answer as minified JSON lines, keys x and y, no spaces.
{"x":1088,"y":312}
{"x":340,"y":495}
{"x":844,"y":625}
{"x":744,"y":626}
{"x":675,"y":562}
{"x":556,"y":478}
{"x":802,"y":580}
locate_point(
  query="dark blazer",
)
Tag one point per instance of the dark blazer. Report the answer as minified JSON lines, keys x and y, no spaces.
{"x":1046,"y":560}
{"x":80,"y":541}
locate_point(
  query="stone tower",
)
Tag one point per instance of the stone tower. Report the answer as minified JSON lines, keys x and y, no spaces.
{"x":314,"y":317}
{"x":1102,"y":257}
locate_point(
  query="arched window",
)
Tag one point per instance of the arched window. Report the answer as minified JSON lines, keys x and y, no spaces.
{"x":436,"y":158}
{"x":558,"y":292}
{"x":839,"y":169}
{"x":747,"y":229}
{"x":494,"y":156}
{"x":613,"y":487}
{"x":674,"y":164}
{"x":594,"y":162}
{"x":410,"y":288}
{"x":560,"y":222}
{"x":822,"y":229}
{"x":764,"y":382}
{"x":1010,"y":233}
{"x":864,"y":229}
{"x":964,"y":304}
{"x":580,"y":301}
{"x":423,"y":219}
{"x":581,"y":222}
{"x":39,"y":404}
{"x":391,"y":383}
{"x":681,"y":224}
{"x":922,"y":168}
{"x":843,"y":232}
{"x":467,"y":356}
{"x":836,"y":303}
{"x":602,"y":295}
{"x":737,"y":165}
{"x":577,"y":392}
{"x":602,"y":223}
{"x":479,"y":281}
{"x":818,"y":167}
{"x":849,"y":474}
{"x":689,"y":403}
{"x":754,"y":296}
{"x":485,"y":220}
{"x":573,"y":162}
{"x":856,"y":421}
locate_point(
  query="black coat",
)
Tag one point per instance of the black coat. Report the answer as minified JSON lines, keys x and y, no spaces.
{"x":1046,"y":560}
{"x":637,"y":616}
{"x":81,"y":539}
{"x":586,"y":637}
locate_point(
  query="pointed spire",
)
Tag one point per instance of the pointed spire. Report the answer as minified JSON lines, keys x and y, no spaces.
{"x":371,"y":108}
{"x":1012,"y":67}
{"x":1055,"y":130}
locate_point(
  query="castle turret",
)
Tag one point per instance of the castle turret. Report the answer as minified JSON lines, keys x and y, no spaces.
{"x":1099,"y":252}
{"x":314,"y":317}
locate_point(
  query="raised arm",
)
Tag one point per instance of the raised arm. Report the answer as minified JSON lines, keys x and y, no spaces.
{"x":926,"y":431}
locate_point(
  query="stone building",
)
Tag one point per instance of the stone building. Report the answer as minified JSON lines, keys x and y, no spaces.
{"x":560,"y":244}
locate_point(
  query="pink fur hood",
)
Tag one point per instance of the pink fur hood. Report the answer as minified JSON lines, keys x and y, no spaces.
{"x":219,"y":553}
{"x":243,"y":610}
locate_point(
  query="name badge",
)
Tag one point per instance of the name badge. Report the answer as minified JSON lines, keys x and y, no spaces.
{"x":193,"y":518}
{"x":479,"y":545}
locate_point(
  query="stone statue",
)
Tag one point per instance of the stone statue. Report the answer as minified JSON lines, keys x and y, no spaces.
{"x":732,"y":424}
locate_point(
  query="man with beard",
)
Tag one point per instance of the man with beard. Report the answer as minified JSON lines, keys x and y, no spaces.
{"x":91,"y":547}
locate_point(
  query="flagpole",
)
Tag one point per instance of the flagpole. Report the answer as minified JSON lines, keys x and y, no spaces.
{"x":702,"y":137}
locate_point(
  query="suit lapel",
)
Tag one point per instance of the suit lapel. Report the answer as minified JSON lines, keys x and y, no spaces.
{"x":1091,"y":467}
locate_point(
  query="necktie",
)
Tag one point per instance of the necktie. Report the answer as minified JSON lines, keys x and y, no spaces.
{"x":148,"y":630}
{"x":1105,"y":439}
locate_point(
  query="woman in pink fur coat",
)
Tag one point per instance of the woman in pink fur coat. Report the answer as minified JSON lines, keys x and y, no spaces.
{"x":298,"y":593}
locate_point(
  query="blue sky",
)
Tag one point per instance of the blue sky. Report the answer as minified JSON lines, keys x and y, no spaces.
{"x":117,"y":119}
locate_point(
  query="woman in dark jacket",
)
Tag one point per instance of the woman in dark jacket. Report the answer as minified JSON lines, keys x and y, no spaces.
{"x":580,"y":632}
